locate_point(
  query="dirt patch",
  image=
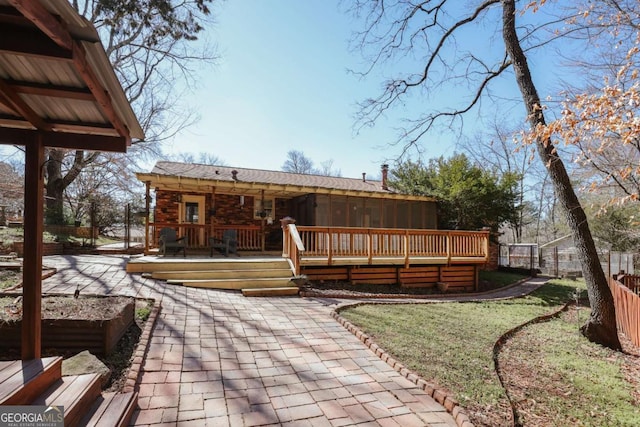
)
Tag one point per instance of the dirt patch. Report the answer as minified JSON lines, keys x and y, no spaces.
{"x":365,"y":290}
{"x":65,"y":307}
{"x":536,"y":388}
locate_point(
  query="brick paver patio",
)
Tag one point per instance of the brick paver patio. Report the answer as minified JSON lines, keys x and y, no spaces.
{"x":217,"y":358}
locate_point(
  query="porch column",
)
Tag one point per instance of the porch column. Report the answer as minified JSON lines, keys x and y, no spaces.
{"x":32,"y":264}
{"x":147,"y":209}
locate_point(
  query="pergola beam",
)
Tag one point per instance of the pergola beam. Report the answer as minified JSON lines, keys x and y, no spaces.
{"x":17,"y":104}
{"x":47,"y":23}
{"x":72,"y":141}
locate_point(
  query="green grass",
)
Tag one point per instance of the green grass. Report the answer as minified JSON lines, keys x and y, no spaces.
{"x":500,"y":278}
{"x":452,"y":343}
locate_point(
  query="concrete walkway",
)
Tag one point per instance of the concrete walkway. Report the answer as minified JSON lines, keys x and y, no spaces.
{"x":217,"y":358}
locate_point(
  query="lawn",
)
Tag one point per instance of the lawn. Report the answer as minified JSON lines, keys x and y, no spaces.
{"x":451,"y":344}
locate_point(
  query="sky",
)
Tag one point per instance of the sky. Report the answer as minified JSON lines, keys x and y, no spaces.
{"x":281,"y":84}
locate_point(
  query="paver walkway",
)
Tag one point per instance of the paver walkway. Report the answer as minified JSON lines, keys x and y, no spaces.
{"x":218,"y":358}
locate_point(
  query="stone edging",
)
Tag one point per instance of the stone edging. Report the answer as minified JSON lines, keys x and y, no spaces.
{"x":441,"y":396}
{"x":133,"y":375}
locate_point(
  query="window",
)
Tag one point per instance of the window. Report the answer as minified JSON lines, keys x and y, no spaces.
{"x":191,"y":212}
{"x":260,"y":211}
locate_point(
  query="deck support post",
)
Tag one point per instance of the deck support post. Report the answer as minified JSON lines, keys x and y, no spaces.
{"x":32,"y":265}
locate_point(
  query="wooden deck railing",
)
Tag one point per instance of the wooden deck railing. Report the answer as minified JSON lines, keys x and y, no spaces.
{"x":377,"y":244}
{"x":197,"y":236}
{"x":627,"y":304}
{"x":292,"y":247}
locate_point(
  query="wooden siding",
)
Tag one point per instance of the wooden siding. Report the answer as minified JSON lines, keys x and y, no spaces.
{"x":458,"y":278}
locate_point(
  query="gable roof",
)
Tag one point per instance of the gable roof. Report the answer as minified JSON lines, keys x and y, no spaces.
{"x":56,"y":80}
{"x":185,"y":174}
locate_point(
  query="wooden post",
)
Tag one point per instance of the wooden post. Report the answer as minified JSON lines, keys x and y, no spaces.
{"x":32,"y":266}
{"x":147,"y":209}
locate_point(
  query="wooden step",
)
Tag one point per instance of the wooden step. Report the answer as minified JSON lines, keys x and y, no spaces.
{"x":76,"y":393}
{"x":111,"y":410}
{"x":271,"y":292}
{"x":273,"y":282}
{"x":221,"y":274}
{"x":22,"y":381}
{"x":150,"y":264}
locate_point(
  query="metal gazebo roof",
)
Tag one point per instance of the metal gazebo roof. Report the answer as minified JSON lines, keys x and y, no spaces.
{"x":57,"y":89}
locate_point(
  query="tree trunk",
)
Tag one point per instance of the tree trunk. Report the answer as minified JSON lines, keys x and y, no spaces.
{"x":57,"y":181}
{"x":54,"y":188}
{"x":601,"y":325}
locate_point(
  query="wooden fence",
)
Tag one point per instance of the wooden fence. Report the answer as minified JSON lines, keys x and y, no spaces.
{"x":627,"y":302}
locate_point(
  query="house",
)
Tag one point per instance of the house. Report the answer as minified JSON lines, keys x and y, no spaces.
{"x":253,"y":200}
{"x":331,"y":228}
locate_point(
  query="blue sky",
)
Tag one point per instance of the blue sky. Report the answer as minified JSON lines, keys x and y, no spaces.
{"x":282,"y":84}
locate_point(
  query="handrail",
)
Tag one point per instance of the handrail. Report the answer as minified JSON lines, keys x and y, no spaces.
{"x":372,"y":243}
{"x":197,"y":235}
{"x":292,"y":247}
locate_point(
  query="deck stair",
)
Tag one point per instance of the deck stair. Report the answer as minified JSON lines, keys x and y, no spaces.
{"x":254,"y":276}
{"x":40,"y":382}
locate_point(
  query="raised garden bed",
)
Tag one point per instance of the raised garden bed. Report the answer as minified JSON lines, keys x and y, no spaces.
{"x":68,"y":324}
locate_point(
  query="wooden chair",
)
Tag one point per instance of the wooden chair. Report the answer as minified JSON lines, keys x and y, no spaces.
{"x":228,"y":244}
{"x":170,"y":242}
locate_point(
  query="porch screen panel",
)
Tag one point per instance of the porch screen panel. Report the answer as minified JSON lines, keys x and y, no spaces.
{"x":356,"y":211}
{"x":389,"y":212}
{"x":417,"y":217}
{"x":373,"y":213}
{"x":402,"y":214}
{"x":338,"y":211}
{"x":322,"y":213}
{"x":430,"y":215}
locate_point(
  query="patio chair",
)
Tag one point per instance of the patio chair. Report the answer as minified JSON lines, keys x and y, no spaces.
{"x":228,"y":244}
{"x":170,"y":242}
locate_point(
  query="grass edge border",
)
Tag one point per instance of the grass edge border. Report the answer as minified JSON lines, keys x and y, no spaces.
{"x":441,"y":396}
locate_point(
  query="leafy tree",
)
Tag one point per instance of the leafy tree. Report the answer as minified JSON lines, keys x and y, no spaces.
{"x":469,"y":197}
{"x":618,"y":226}
{"x":148,"y":43}
{"x":453,"y":45}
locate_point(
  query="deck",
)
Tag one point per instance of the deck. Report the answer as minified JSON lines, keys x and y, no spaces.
{"x":409,"y":257}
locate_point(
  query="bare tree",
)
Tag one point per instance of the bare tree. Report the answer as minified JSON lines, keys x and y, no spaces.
{"x":297,"y":162}
{"x":203,"y":158}
{"x":447,"y":36}
{"x":497,"y":151}
{"x":148,"y":43}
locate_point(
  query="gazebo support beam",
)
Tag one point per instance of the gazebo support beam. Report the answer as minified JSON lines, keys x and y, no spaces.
{"x":32,"y":265}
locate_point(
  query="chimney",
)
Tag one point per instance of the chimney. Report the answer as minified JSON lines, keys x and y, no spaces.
{"x":385,"y":172}
{"x":364,"y":177}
